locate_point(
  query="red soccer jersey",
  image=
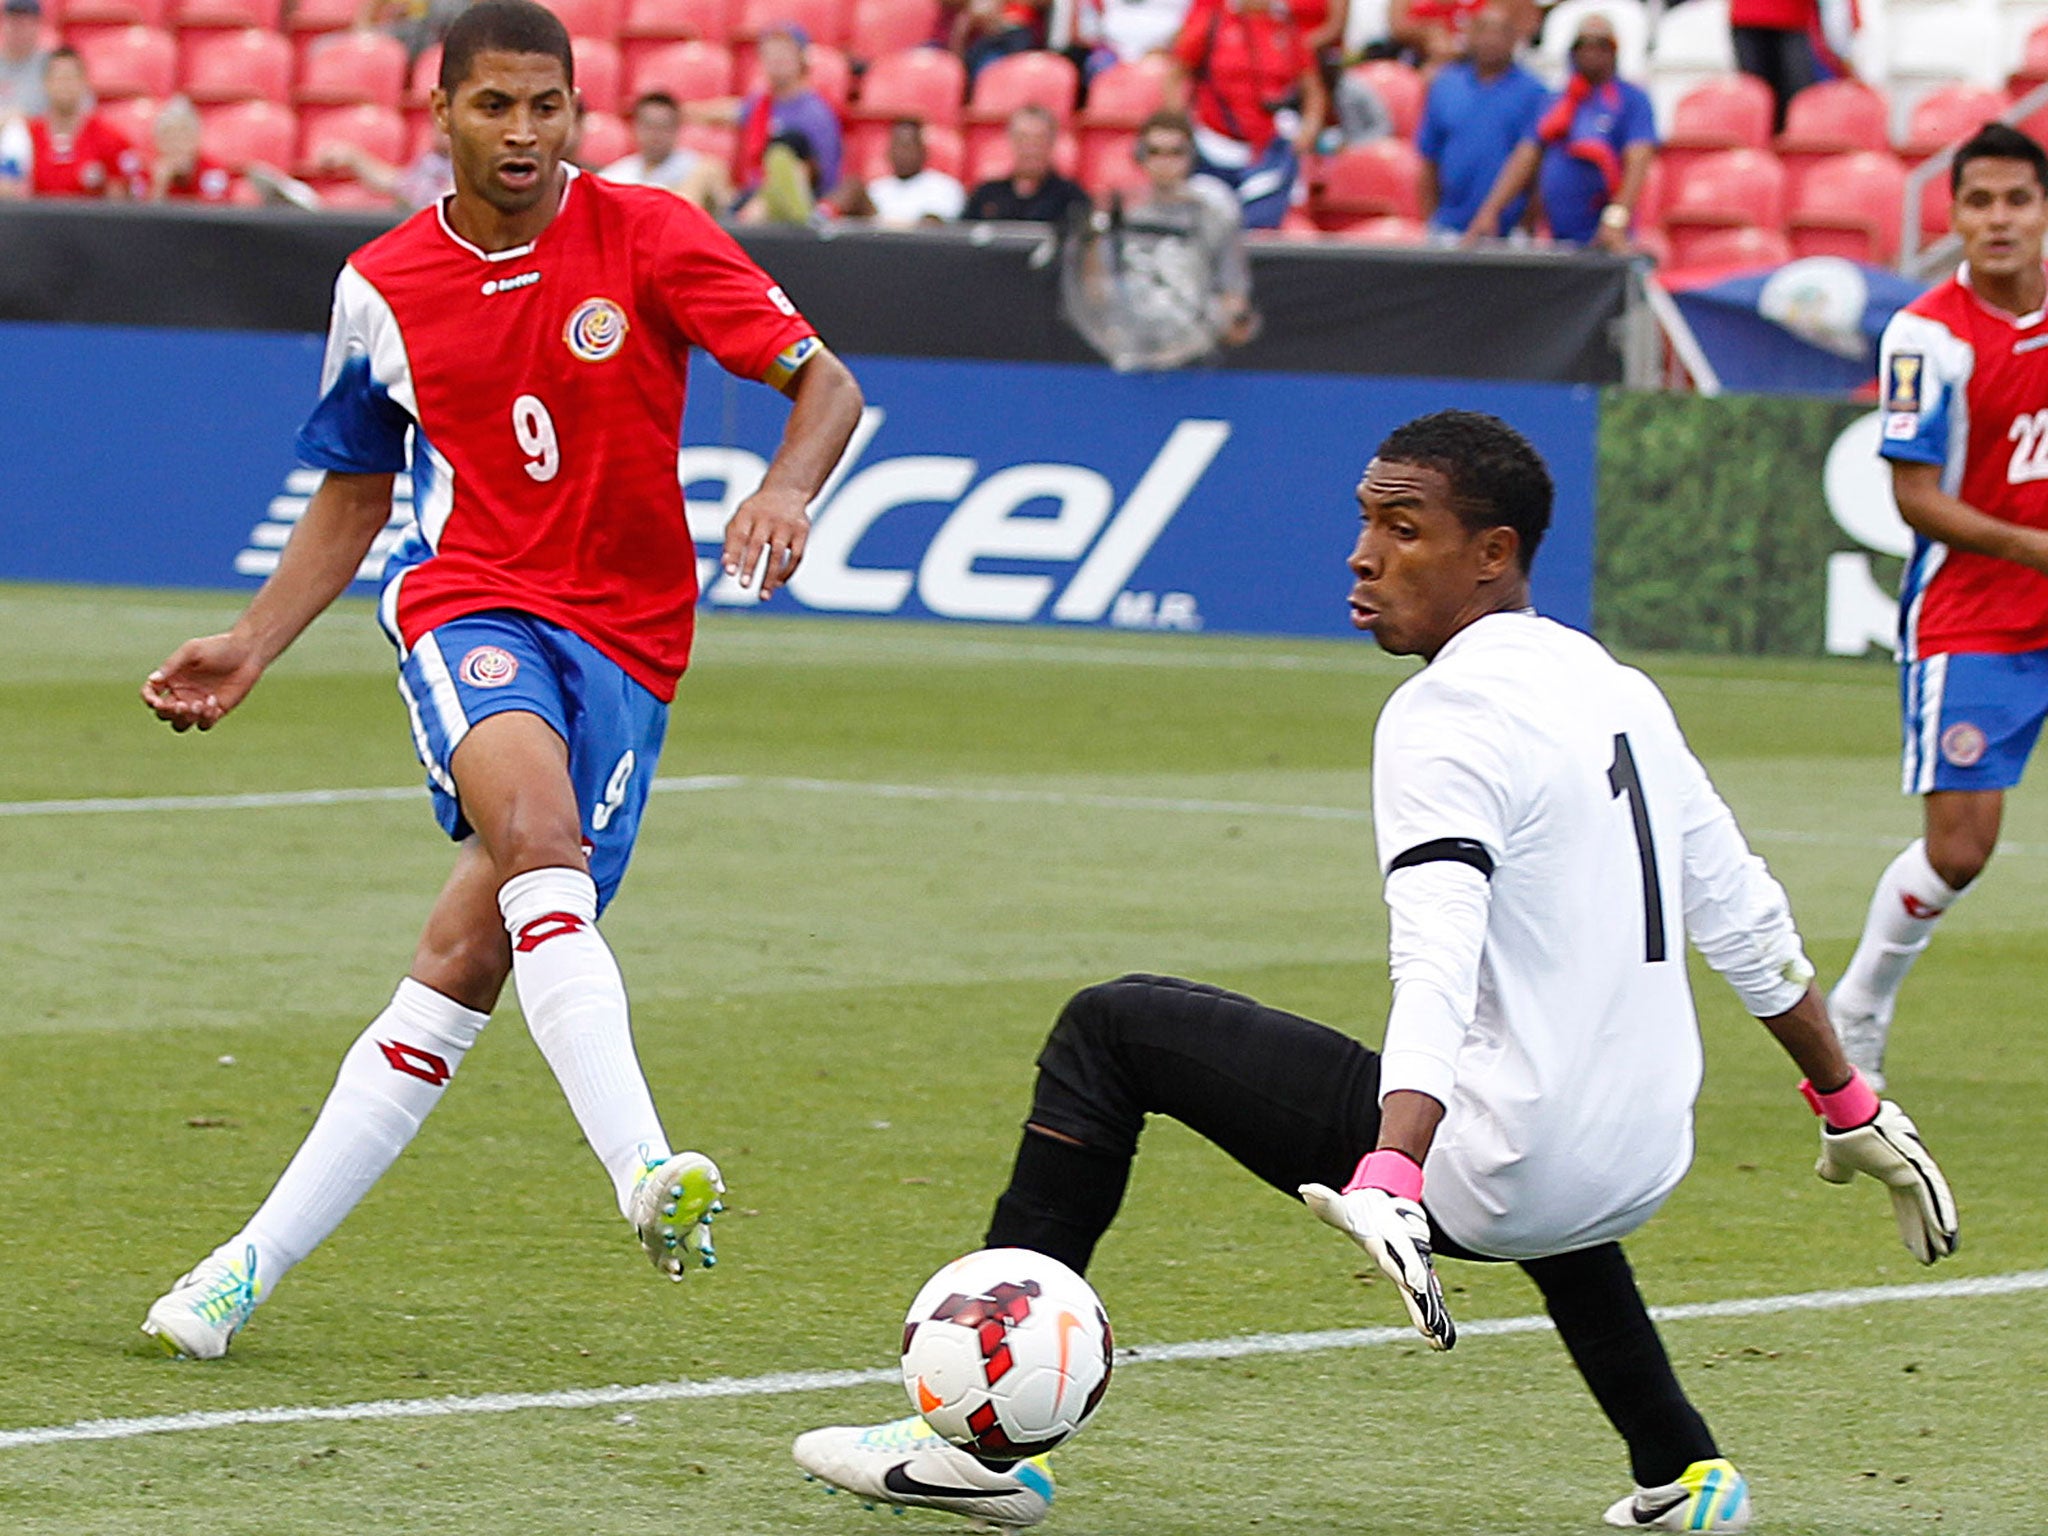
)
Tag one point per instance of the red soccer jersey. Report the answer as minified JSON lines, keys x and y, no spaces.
{"x":1965,"y":386}
{"x":544,"y":390}
{"x":81,"y":164}
{"x":1243,"y":65}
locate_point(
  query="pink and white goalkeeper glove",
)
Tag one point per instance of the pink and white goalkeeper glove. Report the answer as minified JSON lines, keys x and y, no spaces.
{"x":1381,"y":1211}
{"x":1861,"y":1133}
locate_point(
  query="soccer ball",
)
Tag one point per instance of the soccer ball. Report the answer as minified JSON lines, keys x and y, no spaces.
{"x":1006,"y":1352}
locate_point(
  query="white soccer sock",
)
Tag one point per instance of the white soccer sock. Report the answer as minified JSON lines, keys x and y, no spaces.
{"x":390,"y":1078}
{"x":575,"y":1005}
{"x":1909,"y":901}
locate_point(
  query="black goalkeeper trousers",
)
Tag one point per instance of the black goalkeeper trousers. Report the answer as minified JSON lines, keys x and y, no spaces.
{"x":1296,"y":1103}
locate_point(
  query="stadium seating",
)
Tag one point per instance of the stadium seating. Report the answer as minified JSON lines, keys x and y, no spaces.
{"x":1363,"y":181}
{"x":924,"y":83}
{"x":650,"y":24}
{"x":420,"y":83}
{"x":1948,"y":116}
{"x":1849,"y":206}
{"x":1385,"y":229}
{"x":245,"y":132}
{"x":944,"y":150}
{"x":882,"y":27}
{"x":375,"y":130}
{"x":134,"y":118}
{"x":1935,"y":202}
{"x":1112,"y":166}
{"x":2033,"y":65}
{"x":589,"y":18}
{"x":606,"y":139}
{"x":130,"y":61}
{"x":688,"y":71}
{"x":1743,"y":246}
{"x":1400,"y":88}
{"x":321,"y":15}
{"x":1729,"y":188}
{"x":1047,"y":80}
{"x":598,"y":72}
{"x":1832,"y":118}
{"x":824,"y":20}
{"x":1125,"y":94}
{"x":249,"y":65}
{"x":1733,"y":112}
{"x":344,"y":68}
{"x":188,"y":14}
{"x":112,"y":13}
{"x":713,"y":139}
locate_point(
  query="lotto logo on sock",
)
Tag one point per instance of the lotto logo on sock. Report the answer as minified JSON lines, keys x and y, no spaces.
{"x":1915,"y":907}
{"x":551,"y":926}
{"x":414,"y":1062}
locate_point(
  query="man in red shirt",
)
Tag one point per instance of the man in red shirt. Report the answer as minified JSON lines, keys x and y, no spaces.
{"x":70,"y":151}
{"x":180,"y":173}
{"x":1256,"y":97}
{"x":523,"y":344}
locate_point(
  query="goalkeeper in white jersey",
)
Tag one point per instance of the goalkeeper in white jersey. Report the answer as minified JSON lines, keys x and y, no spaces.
{"x":1549,"y":844}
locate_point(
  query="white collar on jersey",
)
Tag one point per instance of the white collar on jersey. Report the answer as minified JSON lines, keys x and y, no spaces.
{"x":2017,"y":322}
{"x":517,"y":251}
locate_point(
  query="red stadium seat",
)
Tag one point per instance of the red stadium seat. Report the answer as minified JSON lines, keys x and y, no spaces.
{"x":606,"y":140}
{"x":112,"y":13}
{"x":133,"y":61}
{"x":188,"y":14}
{"x":1125,"y":94}
{"x":420,"y":82}
{"x":824,"y":20}
{"x":1110,"y":164}
{"x":712,"y":21}
{"x":134,"y":118}
{"x":1736,"y":248}
{"x":590,"y":18}
{"x":1650,"y":201}
{"x":352,"y":197}
{"x":1948,"y":116}
{"x":1042,"y":79}
{"x":1729,"y":188}
{"x":598,"y":72}
{"x":714,"y":139}
{"x":247,"y":132}
{"x":1850,"y":206}
{"x":1363,"y":181}
{"x":882,"y":27}
{"x":1832,"y":118}
{"x":924,"y":83}
{"x":829,"y":74}
{"x":375,"y":130}
{"x":1734,"y":112}
{"x":2033,"y":68}
{"x":944,"y":150}
{"x":687,"y":71}
{"x":321,"y":15}
{"x":1400,"y":88}
{"x":249,"y":65}
{"x":345,"y":68}
{"x":1385,"y":229}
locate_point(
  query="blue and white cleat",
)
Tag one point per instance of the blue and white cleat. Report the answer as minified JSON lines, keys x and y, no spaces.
{"x":671,"y":1211}
{"x":1708,"y":1496}
{"x":905,"y":1463}
{"x":199,"y":1316}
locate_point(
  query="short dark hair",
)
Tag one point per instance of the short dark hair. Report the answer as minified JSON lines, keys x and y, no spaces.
{"x":1497,"y":477}
{"x":504,"y":26}
{"x":655,"y":99}
{"x":63,"y":51}
{"x":1166,"y":120}
{"x":1997,"y":141}
{"x":907,"y":121}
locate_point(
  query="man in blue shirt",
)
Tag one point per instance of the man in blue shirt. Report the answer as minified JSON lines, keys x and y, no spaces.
{"x":1589,"y":153}
{"x":1478,"y":110}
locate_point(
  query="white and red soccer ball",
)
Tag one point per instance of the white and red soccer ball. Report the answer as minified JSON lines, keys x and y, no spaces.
{"x":1006,"y":1352}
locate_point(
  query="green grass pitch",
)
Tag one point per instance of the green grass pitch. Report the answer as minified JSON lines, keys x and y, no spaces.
{"x":838,"y":992}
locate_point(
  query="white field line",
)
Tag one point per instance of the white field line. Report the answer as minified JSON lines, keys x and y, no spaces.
{"x":780,"y":1383}
{"x":949,"y":793}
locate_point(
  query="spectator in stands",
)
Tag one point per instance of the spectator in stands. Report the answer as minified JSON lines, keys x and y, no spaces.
{"x":786,"y":113}
{"x":1033,"y":192}
{"x":1774,"y":40}
{"x":659,"y":160}
{"x":1256,"y":95}
{"x":1119,"y":31}
{"x":1478,"y":109}
{"x":419,"y":24}
{"x":428,"y":179}
{"x":21,"y":60}
{"x":180,"y":173}
{"x":69,"y":151}
{"x":983,"y":31}
{"x":1588,"y":155}
{"x":912,"y":193}
{"x":1436,"y":32}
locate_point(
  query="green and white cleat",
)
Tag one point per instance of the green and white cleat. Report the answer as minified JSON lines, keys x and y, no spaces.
{"x":199,"y":1316}
{"x":1708,"y":1496}
{"x":906,"y":1463}
{"x":671,"y":1212}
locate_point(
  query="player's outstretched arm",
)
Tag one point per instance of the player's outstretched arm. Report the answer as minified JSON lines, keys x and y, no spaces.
{"x":1861,"y":1133}
{"x":775,"y":521}
{"x":1933,"y":513}
{"x":205,"y":678}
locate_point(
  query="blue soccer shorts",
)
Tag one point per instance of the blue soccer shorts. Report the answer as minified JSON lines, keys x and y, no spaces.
{"x":483,"y":664}
{"x":1971,"y":718}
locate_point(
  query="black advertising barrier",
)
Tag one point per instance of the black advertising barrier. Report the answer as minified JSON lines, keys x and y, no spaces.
{"x":974,"y":291}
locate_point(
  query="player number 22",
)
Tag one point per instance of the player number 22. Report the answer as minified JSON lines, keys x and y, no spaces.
{"x":535,"y":429}
{"x":1622,"y":779}
{"x":2029,"y":433}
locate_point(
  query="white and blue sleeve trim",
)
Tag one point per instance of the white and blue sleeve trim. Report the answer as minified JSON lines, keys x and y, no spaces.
{"x":367,"y":407}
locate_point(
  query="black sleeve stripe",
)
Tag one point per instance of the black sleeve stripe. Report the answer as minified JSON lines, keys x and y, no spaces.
{"x":1439,"y":850}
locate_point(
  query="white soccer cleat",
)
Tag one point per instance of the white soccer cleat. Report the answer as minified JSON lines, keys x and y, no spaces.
{"x":1708,"y":1496}
{"x":905,"y":1463}
{"x":671,"y":1212}
{"x":1862,"y":1032}
{"x":199,"y":1316}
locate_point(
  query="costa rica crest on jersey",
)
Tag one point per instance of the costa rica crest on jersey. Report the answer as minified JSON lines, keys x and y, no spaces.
{"x":488,"y":666}
{"x":596,"y":330}
{"x":1963,"y":745}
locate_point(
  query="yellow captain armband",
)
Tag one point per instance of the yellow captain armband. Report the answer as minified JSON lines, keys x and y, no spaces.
{"x":789,"y":360}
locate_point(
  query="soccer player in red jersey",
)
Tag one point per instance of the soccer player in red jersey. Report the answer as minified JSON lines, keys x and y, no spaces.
{"x":70,"y":151}
{"x":1964,"y":375}
{"x":528,"y":337}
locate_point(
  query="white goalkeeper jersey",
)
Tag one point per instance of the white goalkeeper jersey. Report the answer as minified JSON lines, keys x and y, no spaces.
{"x":1548,"y":841}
